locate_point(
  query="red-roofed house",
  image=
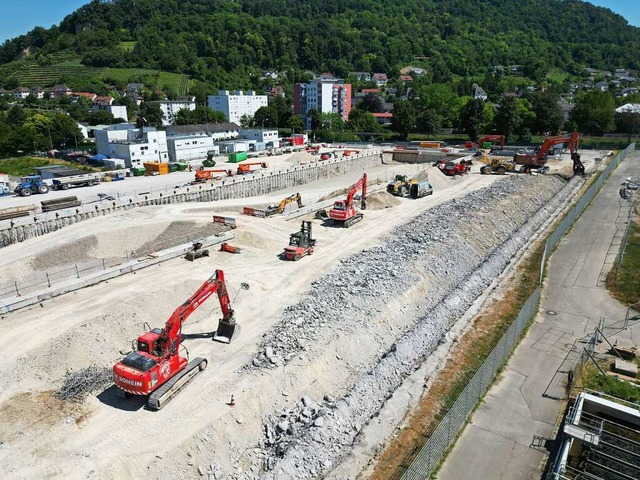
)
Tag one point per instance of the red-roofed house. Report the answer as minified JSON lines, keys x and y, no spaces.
{"x":103,"y":100}
{"x":383,"y":118}
{"x":406,"y":78}
{"x":380,"y":79}
{"x":372,"y":91}
{"x":76,"y":95}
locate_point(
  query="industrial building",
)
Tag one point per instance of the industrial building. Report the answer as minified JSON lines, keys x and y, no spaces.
{"x":268,"y":137}
{"x":134,"y":145}
{"x":237,"y":104}
{"x":189,"y":148}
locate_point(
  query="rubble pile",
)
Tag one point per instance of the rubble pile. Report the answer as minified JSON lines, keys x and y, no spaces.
{"x":77,"y":385}
{"x":457,"y":249}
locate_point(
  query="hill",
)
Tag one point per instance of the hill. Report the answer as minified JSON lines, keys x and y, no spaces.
{"x":225,"y":43}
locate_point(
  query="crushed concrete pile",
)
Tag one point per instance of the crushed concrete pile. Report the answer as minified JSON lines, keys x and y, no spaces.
{"x":457,"y":249}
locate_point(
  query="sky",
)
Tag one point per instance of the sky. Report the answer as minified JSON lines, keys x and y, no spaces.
{"x":21,"y":16}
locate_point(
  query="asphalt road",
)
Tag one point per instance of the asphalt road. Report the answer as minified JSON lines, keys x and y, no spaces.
{"x":496,"y":442}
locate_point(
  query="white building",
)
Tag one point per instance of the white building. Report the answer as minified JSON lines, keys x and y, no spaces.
{"x":134,"y":145}
{"x":238,"y":104}
{"x":21,"y":92}
{"x":217,"y":131}
{"x":171,"y":107}
{"x":118,"y":111}
{"x":268,"y":137}
{"x":189,"y":148}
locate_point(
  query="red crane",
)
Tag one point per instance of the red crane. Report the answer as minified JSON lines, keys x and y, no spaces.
{"x":344,"y":211}
{"x":156,"y":368}
{"x":538,"y":159}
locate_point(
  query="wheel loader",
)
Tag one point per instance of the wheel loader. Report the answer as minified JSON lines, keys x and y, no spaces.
{"x":497,"y":164}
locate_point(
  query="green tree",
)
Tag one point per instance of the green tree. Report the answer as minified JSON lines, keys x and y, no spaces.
{"x":315,"y":118}
{"x":362,"y":121}
{"x":266,"y":117}
{"x":100,"y":117}
{"x":332,"y":122}
{"x":295,"y":124}
{"x":370,"y":103}
{"x":594,"y":112}
{"x":472,"y":117}
{"x":404,"y":118}
{"x":428,"y":121}
{"x":548,"y":114}
{"x":629,"y":123}
{"x":16,"y":116}
{"x":150,"y":115}
{"x":439,"y":98}
{"x":507,"y":120}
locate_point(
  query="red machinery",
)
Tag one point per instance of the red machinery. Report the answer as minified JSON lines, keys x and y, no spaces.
{"x":486,"y":138}
{"x":157,"y":368}
{"x":451,"y":168}
{"x":344,"y":211}
{"x":203,"y":175}
{"x":538,"y":159}
{"x":300,"y":243}
{"x":246,"y":167}
{"x":225,"y":247}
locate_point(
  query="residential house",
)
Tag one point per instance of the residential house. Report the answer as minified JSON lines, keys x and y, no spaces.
{"x":75,"y":96}
{"x":237,"y":104}
{"x":629,"y":108}
{"x":21,"y":92}
{"x":276,"y":91}
{"x":273,"y":74}
{"x":361,"y":76}
{"x":37,"y":92}
{"x":171,"y":107}
{"x":380,"y":79}
{"x":565,"y":106}
{"x":327,"y":76}
{"x":106,"y":103}
{"x":602,"y":86}
{"x":406,"y":78}
{"x":628,"y":91}
{"x":60,"y":91}
{"x":412,"y":70}
{"x":383,"y":118}
{"x":478,"y":92}
{"x":134,"y":87}
{"x":323,"y":95}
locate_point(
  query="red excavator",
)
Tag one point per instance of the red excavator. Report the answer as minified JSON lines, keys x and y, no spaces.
{"x":246,"y":167}
{"x":156,"y":368}
{"x":344,"y":211}
{"x":487,"y":138}
{"x":538,"y":159}
{"x":203,"y":175}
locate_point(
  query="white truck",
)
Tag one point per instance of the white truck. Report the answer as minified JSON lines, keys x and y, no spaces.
{"x":86,"y":180}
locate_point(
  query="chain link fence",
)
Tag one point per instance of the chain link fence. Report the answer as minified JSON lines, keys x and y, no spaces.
{"x":444,"y":434}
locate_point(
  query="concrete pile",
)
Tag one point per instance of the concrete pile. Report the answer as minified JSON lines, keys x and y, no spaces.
{"x":455,"y":250}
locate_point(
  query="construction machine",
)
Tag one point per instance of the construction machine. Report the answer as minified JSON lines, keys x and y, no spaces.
{"x":537,"y":159}
{"x":203,"y":174}
{"x":196,"y":252}
{"x":244,"y":168}
{"x":300,"y":243}
{"x":578,"y":166}
{"x":225,"y":247}
{"x":451,"y":168}
{"x":483,"y":140}
{"x":344,"y":211}
{"x":400,"y":185}
{"x":156,"y":368}
{"x":272,"y":210}
{"x":31,"y":184}
{"x":496,"y":164}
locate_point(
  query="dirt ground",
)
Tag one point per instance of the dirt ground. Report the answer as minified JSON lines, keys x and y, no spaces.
{"x":107,"y":437}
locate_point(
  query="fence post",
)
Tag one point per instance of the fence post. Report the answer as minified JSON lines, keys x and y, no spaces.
{"x":103,"y":265}
{"x":48,"y":281}
{"x":16,"y":285}
{"x":77,"y":272}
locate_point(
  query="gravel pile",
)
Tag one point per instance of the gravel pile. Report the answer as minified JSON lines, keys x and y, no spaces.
{"x":457,"y":249}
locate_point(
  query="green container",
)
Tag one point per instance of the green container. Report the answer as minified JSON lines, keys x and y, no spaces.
{"x":173,"y":168}
{"x":181,"y":166}
{"x":138,"y":172}
{"x":236,"y":157}
{"x":487,"y":145}
{"x":208,"y":163}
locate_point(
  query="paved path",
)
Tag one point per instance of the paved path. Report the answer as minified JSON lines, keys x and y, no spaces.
{"x":495,"y":444}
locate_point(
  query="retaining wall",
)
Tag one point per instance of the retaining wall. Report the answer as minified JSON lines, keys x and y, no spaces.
{"x":238,"y":187}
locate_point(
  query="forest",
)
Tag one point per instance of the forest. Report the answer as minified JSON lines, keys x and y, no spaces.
{"x":226,"y":42}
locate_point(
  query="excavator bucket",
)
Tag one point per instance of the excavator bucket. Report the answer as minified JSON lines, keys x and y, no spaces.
{"x":226,"y":332}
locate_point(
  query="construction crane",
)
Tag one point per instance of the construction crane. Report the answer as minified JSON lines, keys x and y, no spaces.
{"x":203,"y":175}
{"x":156,"y":368}
{"x":283,"y":204}
{"x":244,"y":168}
{"x":538,"y":159}
{"x":344,"y":211}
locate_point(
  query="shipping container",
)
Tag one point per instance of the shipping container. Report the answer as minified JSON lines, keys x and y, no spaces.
{"x":236,"y":157}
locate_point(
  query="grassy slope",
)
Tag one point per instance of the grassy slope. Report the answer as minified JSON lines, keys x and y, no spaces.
{"x":22,"y":166}
{"x":624,"y":282}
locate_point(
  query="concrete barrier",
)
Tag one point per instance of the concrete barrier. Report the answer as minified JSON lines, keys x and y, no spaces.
{"x":258,"y":183}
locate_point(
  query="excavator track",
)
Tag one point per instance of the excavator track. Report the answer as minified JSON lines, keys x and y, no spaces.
{"x":166,"y":392}
{"x":353,"y":220}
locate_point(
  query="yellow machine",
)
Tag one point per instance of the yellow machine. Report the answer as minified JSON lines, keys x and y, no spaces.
{"x":400,"y":185}
{"x":496,"y":164}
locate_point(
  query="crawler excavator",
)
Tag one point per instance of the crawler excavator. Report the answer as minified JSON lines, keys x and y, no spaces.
{"x":156,"y":368}
{"x":272,"y":210}
{"x":244,"y":168}
{"x":344,"y":211}
{"x":538,"y":159}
